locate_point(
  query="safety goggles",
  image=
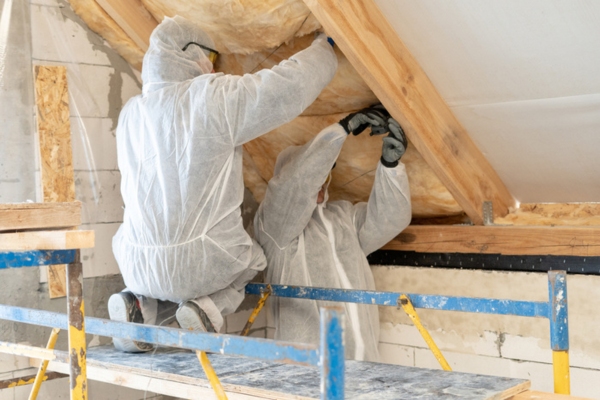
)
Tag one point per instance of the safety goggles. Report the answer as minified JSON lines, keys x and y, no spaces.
{"x":212,"y":54}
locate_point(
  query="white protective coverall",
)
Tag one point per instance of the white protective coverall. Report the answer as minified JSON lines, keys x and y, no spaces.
{"x":326,"y":245}
{"x":180,"y":156}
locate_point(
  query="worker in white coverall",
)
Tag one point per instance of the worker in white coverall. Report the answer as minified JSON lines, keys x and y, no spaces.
{"x":180,"y":155}
{"x":310,"y":242}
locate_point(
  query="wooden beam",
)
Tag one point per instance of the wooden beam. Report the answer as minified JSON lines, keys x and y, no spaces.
{"x":133,"y":18}
{"x":509,"y":240}
{"x":373,"y":47}
{"x":18,"y":216}
{"x":46,"y":240}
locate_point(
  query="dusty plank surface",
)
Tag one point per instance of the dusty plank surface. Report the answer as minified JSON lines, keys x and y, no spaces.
{"x":46,"y":240}
{"x":375,"y":50}
{"x":56,"y":157}
{"x":17,"y":216}
{"x":248,"y":377}
{"x":514,"y":240}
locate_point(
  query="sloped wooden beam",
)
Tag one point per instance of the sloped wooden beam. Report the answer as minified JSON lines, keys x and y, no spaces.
{"x":133,"y":18}
{"x":373,"y":47}
{"x":507,"y":240}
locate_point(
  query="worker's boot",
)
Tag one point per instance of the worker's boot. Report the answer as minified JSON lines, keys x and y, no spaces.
{"x":125,"y":307}
{"x":191,"y":317}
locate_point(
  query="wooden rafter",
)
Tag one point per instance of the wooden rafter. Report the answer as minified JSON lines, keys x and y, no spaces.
{"x":508,"y":240}
{"x":133,"y":18}
{"x":375,"y":50}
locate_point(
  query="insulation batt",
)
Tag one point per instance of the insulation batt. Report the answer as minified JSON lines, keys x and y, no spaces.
{"x":257,"y":34}
{"x":584,"y":214}
{"x":242,"y":26}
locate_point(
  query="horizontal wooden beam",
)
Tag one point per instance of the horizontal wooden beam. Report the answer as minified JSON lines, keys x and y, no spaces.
{"x":16,"y":216}
{"x":46,"y":240}
{"x":133,"y":18}
{"x":373,"y":47}
{"x":509,"y":240}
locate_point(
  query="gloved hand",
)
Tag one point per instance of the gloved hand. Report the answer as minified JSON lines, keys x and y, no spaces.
{"x":394,"y":144}
{"x":356,"y":123}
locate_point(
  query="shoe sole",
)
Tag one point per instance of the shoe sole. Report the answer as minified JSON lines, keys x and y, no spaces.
{"x":189,"y":319}
{"x":117,"y":310}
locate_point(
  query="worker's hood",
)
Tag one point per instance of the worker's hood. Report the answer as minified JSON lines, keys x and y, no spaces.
{"x":165,"y":63}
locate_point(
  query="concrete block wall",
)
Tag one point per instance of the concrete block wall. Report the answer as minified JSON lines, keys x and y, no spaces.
{"x":495,"y":345}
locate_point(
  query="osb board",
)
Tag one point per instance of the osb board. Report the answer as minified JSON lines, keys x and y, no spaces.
{"x":17,"y":216}
{"x":550,"y":214}
{"x":56,"y":158}
{"x":54,"y":130}
{"x":262,"y":33}
{"x":268,"y":380}
{"x":355,"y":169}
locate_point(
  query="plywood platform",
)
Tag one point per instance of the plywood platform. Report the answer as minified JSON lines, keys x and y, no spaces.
{"x":177,"y":373}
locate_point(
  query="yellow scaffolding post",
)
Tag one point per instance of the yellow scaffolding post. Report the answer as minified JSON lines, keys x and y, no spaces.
{"x":407,"y":306}
{"x":213,"y":379}
{"x":261,"y":302}
{"x":39,"y":378}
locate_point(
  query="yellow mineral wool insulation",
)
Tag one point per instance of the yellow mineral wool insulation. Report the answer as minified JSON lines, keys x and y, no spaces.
{"x":568,"y":214}
{"x":355,"y":170}
{"x":346,"y":92}
{"x":241,"y":26}
{"x":101,"y":23}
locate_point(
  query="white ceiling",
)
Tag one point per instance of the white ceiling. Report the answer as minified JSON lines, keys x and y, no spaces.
{"x":523,"y":77}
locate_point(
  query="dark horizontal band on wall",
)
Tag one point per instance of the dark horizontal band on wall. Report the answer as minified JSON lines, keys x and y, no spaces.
{"x":497,"y":262}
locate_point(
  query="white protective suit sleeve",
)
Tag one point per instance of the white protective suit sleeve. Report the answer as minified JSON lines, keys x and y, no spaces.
{"x":299,"y":174}
{"x":255,"y":104}
{"x":388,"y":210}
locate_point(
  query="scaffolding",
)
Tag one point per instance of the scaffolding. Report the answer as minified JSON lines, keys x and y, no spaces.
{"x":328,"y":357}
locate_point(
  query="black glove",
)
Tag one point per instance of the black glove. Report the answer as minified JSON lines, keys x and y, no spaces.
{"x":394,"y":144}
{"x":356,"y":123}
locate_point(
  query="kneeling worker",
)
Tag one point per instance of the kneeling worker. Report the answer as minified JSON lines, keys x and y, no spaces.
{"x":180,"y":155}
{"x":309,"y":242}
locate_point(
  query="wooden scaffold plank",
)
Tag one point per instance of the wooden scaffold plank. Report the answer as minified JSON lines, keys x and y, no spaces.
{"x":19,"y":216}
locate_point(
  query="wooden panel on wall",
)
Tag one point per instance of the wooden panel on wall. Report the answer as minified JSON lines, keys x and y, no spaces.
{"x":56,"y":158}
